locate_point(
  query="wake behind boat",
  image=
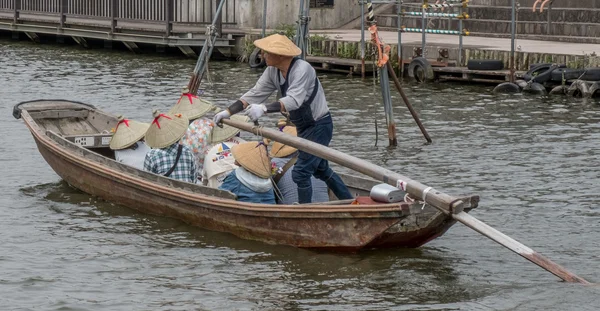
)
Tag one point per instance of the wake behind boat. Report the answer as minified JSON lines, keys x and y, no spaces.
{"x":74,"y":139}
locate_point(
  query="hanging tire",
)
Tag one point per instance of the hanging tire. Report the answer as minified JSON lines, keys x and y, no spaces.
{"x":547,"y":64}
{"x":595,"y":90}
{"x":568,"y":74}
{"x":535,"y":88}
{"x":559,"y":90}
{"x":579,"y":88}
{"x":485,"y":64}
{"x":540,"y":74}
{"x":591,"y":74}
{"x":506,"y":88}
{"x":420,"y":70}
{"x":521,"y":83}
{"x":255,"y":60}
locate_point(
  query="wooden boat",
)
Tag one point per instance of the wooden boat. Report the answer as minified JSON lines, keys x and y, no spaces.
{"x":73,"y":138}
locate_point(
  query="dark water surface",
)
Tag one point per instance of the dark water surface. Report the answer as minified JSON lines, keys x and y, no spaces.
{"x":534,"y":162}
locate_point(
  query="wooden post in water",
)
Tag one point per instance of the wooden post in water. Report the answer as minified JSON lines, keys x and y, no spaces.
{"x":113,"y":16}
{"x":449,"y":205}
{"x":169,"y":14}
{"x":17,"y":8}
{"x":63,"y":10}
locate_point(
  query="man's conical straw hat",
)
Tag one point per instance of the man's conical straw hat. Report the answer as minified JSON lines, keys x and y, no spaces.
{"x":253,"y":157}
{"x":191,"y":106}
{"x":165,"y":129}
{"x":280,"y":150}
{"x":127,"y":133}
{"x":278,"y":44}
{"x":224,"y":133}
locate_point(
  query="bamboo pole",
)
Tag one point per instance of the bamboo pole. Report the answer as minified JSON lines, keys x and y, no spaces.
{"x":447,"y":204}
{"x":408,"y":105}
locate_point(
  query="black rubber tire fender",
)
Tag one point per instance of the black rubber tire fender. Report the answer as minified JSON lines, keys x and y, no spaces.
{"x":591,"y":74}
{"x":595,"y":90}
{"x":569,"y":74}
{"x":521,"y":83}
{"x":485,"y":64}
{"x":255,"y":60}
{"x":545,"y":76}
{"x":547,"y":64}
{"x":506,"y":88}
{"x":579,"y":88}
{"x":537,"y":70}
{"x":535,"y":88}
{"x":559,"y":90}
{"x":420,"y":69}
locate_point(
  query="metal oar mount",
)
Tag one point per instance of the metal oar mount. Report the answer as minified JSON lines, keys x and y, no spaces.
{"x":447,"y":204}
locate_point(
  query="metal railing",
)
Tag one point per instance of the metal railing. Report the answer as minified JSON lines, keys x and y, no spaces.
{"x":166,"y":11}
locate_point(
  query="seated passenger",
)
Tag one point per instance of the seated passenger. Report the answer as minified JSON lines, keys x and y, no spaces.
{"x":284,"y":157}
{"x":128,"y":144}
{"x":218,"y":163}
{"x":168,"y":157}
{"x":251,"y":181}
{"x":199,"y":136}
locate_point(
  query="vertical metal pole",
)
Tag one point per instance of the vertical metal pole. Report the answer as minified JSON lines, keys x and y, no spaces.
{"x":399,"y":21}
{"x":113,"y":16}
{"x":219,"y":19}
{"x":512,"y":42}
{"x":460,"y":37}
{"x":17,"y":6}
{"x":63,"y":10}
{"x":264,"y":19}
{"x":362,"y":39}
{"x":168,"y":16}
{"x":306,"y":26}
{"x":424,"y":27}
{"x":549,"y":12}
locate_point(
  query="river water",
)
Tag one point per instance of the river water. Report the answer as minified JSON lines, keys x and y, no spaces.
{"x":534,"y":162}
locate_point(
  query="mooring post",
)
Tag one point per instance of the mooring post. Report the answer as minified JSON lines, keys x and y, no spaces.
{"x":17,"y":6}
{"x":264,"y":19}
{"x":63,"y":11}
{"x":362,"y":39}
{"x":512,"y":42}
{"x":460,"y":36}
{"x":400,"y":64}
{"x":424,"y":27}
{"x":169,"y":14}
{"x":113,"y":16}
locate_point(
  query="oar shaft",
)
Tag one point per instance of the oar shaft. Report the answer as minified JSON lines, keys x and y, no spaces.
{"x":408,"y":105}
{"x":518,"y":248}
{"x":445,"y":203}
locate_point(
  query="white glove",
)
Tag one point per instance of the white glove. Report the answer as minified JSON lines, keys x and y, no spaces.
{"x":255,"y":111}
{"x":220,"y":116}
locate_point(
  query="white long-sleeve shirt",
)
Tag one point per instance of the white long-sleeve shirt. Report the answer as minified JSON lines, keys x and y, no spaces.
{"x":301,"y":83}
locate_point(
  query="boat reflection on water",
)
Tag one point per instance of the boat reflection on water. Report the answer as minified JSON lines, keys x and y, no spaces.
{"x":396,"y":276}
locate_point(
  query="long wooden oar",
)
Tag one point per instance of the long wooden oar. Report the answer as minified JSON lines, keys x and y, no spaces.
{"x":447,"y":204}
{"x":408,"y":105}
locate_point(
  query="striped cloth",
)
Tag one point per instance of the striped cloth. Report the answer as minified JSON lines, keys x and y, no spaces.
{"x":160,"y":161}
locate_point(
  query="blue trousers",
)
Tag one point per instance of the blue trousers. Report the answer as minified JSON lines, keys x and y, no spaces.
{"x":309,"y":165}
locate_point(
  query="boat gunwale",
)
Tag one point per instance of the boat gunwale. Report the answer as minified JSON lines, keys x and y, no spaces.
{"x":395,"y":210}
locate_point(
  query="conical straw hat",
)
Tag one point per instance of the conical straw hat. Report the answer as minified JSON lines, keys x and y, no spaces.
{"x":224,"y":133}
{"x":253,"y":157}
{"x":278,"y":44}
{"x":280,"y":150}
{"x":127,"y":133}
{"x":166,"y":129}
{"x":191,"y":106}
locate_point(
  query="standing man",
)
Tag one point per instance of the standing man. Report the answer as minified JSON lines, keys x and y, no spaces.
{"x":303,"y":98}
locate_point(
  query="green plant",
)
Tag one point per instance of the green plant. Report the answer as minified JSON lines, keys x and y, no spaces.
{"x":288,"y":30}
{"x":247,"y":50}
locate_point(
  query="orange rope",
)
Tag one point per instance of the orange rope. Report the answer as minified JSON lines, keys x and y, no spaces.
{"x":383,"y":50}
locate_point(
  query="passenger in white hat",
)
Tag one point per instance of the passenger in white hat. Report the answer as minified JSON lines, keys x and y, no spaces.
{"x":128,"y":144}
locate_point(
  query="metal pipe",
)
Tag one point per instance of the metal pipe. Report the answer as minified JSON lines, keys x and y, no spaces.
{"x":460,"y":37}
{"x":512,"y":42}
{"x":264,"y":18}
{"x":423,"y":28}
{"x":362,"y":39}
{"x":400,"y":60}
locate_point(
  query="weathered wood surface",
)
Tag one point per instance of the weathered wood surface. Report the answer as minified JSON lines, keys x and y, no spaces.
{"x":349,"y":227}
